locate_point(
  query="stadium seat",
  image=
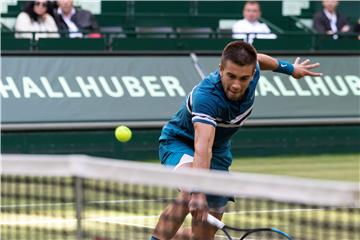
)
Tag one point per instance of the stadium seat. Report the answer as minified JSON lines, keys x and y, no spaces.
{"x":194,"y":32}
{"x":154,"y":32}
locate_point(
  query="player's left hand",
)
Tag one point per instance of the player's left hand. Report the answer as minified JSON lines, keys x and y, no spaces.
{"x":302,"y":69}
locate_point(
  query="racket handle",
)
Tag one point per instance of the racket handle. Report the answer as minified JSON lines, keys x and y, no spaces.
{"x":214,"y":221}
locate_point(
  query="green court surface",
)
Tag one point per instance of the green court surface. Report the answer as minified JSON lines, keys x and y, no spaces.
{"x":339,"y":167}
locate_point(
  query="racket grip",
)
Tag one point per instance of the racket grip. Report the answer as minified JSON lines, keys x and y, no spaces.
{"x":214,"y":221}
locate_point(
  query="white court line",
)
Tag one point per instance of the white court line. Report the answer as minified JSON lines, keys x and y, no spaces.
{"x":131,"y":200}
{"x":47,"y":220}
{"x":36,"y":222}
{"x":35,"y":205}
{"x":121,"y":219}
{"x":276,"y":211}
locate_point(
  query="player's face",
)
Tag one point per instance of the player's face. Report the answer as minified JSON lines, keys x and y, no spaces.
{"x":235,"y":79}
{"x":252,"y":12}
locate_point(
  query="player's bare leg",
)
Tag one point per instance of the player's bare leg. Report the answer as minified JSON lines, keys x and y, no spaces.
{"x":172,"y":218}
{"x":202,"y":230}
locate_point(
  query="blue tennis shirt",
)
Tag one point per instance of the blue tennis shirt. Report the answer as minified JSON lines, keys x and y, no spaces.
{"x":207,"y":103}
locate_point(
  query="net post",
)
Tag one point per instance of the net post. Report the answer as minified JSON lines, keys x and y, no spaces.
{"x":79,"y":206}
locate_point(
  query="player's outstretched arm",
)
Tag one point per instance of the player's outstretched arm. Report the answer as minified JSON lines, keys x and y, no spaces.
{"x":204,"y":138}
{"x":297,"y":69}
{"x":203,"y":143}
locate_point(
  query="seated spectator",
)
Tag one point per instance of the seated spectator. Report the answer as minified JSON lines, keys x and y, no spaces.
{"x":36,"y":18}
{"x":250,"y":27}
{"x":329,"y":21}
{"x":75,"y":20}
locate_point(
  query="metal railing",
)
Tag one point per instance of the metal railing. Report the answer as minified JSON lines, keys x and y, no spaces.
{"x":315,"y":40}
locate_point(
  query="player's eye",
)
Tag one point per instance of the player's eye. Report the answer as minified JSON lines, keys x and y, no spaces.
{"x":244,"y":78}
{"x":232,"y":76}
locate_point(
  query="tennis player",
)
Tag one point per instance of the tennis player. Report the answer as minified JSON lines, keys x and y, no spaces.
{"x":199,"y":134}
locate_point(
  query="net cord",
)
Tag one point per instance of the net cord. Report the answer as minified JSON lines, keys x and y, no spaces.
{"x":279,"y":188}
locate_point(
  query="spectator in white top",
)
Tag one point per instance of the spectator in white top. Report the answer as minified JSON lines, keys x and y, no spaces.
{"x":250,"y":27}
{"x":36,"y":18}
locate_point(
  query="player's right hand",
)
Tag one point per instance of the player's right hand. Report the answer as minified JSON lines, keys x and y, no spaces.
{"x":302,"y":69}
{"x":198,"y":206}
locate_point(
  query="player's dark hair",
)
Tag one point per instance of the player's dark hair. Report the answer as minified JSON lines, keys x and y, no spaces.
{"x":240,"y":53}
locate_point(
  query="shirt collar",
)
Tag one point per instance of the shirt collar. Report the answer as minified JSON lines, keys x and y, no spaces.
{"x":329,"y":15}
{"x":73,"y":11}
{"x":252,"y":23}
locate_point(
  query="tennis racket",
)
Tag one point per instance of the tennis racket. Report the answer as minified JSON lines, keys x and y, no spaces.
{"x":197,"y":65}
{"x":253,"y":234}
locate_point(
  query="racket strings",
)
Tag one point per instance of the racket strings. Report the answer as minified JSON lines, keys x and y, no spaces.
{"x":252,"y":234}
{"x":263,"y":235}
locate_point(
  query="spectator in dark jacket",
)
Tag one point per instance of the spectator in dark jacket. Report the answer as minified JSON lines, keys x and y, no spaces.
{"x":74,"y":20}
{"x":330,"y":21}
{"x":357,"y":29}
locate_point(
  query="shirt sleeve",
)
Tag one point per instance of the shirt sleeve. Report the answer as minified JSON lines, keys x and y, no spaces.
{"x":204,"y":108}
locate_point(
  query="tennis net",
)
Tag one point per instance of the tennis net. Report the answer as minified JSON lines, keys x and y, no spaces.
{"x":82,"y":197}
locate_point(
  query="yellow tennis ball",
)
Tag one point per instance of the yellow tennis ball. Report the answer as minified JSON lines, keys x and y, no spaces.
{"x":123,"y":133}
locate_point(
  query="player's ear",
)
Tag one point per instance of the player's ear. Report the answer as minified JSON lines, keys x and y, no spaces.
{"x":221,"y":68}
{"x":254,"y":71}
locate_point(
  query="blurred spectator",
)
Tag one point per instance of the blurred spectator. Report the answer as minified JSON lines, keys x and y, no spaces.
{"x":72,"y":20}
{"x":250,"y":24}
{"x":36,"y":17}
{"x":357,"y":29}
{"x":330,"y":21}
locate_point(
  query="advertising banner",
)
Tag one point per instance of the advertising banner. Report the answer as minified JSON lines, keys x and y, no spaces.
{"x":47,"y":89}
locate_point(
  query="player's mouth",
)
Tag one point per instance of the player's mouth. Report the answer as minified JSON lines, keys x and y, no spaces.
{"x":234,"y":95}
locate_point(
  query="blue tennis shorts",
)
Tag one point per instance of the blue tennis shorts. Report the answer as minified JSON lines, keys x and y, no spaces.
{"x":174,"y":153}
